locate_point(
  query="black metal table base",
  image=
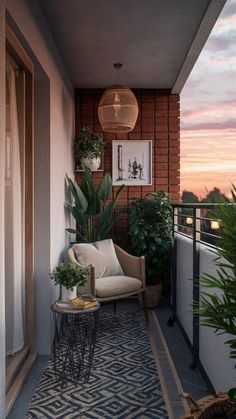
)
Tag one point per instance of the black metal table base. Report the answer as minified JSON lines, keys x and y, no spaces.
{"x":74,"y":344}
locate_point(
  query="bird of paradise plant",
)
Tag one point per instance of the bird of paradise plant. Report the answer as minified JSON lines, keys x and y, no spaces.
{"x":93,"y":214}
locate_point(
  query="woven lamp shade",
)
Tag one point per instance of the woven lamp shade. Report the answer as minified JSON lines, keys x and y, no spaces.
{"x":118,"y":109}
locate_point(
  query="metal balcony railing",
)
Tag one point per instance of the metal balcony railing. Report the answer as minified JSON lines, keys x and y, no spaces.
{"x":195,"y":222}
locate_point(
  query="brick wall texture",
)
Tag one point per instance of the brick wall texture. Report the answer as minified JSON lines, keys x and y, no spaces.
{"x":158,"y":120}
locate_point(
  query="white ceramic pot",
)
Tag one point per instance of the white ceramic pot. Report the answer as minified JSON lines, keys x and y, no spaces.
{"x":92,"y":163}
{"x":68,"y":294}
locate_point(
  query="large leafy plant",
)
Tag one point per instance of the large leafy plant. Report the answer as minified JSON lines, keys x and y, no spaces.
{"x":92,"y":208}
{"x":218,"y":309}
{"x":150,"y":234}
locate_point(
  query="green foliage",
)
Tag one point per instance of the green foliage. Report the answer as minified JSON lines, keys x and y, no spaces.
{"x":150,"y":234}
{"x":88,"y":144}
{"x":94,"y":216}
{"x":70,"y":275}
{"x":189,"y":197}
{"x":218,"y":306}
{"x":216,"y":196}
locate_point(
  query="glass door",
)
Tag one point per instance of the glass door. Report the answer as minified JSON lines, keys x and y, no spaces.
{"x":18,"y":217}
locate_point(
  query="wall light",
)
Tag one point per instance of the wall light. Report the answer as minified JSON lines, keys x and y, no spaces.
{"x":215,"y":225}
{"x":189,"y":220}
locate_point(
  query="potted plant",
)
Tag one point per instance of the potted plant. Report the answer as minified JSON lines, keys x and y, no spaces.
{"x":218,"y":310}
{"x":94,"y":216}
{"x":69,"y":276}
{"x":150,"y":235}
{"x":88,"y":149}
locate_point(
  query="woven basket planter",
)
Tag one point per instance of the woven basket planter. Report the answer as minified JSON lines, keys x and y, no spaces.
{"x":153,"y":295}
{"x":210,"y":407}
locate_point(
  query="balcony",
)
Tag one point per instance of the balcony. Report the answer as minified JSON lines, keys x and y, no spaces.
{"x":56,"y":61}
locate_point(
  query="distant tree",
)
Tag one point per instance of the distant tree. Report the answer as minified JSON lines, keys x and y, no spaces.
{"x":215,"y":196}
{"x":189,"y":197}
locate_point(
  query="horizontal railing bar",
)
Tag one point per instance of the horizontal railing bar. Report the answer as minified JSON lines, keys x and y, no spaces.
{"x":183,"y":234}
{"x":198,"y":241}
{"x":197,"y":231}
{"x":198,"y":205}
{"x":209,"y":234}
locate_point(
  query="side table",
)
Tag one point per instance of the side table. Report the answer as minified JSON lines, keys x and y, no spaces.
{"x":74,"y":342}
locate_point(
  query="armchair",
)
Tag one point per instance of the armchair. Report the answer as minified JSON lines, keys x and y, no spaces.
{"x":129,"y":281}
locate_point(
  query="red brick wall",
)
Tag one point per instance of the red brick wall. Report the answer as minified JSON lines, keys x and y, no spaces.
{"x":158,"y":121}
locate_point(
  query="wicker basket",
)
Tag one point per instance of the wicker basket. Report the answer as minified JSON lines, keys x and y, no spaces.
{"x":210,"y":407}
{"x":153,"y":295}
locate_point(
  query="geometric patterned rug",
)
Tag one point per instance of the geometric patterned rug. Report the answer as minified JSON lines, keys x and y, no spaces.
{"x":124,"y":382}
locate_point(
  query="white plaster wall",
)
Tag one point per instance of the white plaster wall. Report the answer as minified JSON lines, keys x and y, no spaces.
{"x":33,"y":27}
{"x":2,"y":180}
{"x":214,"y":354}
{"x":184,"y":291}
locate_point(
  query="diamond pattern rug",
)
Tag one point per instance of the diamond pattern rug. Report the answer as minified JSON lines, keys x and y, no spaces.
{"x":124,"y":383}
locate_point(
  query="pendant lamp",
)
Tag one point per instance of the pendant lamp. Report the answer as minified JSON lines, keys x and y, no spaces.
{"x":118,"y":108}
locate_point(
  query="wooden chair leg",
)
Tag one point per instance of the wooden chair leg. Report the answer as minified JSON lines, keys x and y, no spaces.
{"x":145,"y":306}
{"x":114,"y":306}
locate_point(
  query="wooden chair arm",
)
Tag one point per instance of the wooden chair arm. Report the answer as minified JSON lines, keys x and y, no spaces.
{"x":133,"y":266}
{"x":89,"y":287}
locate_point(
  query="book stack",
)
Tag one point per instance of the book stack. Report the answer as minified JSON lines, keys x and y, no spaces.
{"x":84,"y":302}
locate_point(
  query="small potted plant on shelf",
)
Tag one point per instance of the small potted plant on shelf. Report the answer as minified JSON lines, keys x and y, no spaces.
{"x":69,"y":276}
{"x":150,"y":235}
{"x":218,"y":309}
{"x":88,"y":149}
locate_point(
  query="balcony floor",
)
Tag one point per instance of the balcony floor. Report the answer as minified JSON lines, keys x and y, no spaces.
{"x":170,"y":351}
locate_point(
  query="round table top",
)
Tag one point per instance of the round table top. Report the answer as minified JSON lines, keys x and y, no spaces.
{"x":65,"y":308}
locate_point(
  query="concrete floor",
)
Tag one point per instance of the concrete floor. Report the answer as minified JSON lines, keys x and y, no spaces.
{"x":191,"y":380}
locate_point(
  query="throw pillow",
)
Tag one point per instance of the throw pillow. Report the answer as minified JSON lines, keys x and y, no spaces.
{"x":87,"y":254}
{"x":107,"y":251}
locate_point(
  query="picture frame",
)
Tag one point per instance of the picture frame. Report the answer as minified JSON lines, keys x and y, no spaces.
{"x":132,"y":162}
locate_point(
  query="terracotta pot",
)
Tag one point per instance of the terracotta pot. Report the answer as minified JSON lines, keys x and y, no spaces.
{"x":153,"y":295}
{"x":92,"y":163}
{"x":68,"y":294}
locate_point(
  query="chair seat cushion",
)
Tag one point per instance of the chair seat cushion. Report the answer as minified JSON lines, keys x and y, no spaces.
{"x":111,"y":286}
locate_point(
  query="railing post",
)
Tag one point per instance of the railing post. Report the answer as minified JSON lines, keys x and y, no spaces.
{"x":173,"y":268}
{"x":196,"y":291}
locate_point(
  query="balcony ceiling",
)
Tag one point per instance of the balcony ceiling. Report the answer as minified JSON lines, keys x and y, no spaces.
{"x":158,"y":41}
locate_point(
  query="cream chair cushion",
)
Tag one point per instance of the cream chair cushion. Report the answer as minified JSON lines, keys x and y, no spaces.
{"x":110,"y":286}
{"x":87,"y":254}
{"x":107,"y":251}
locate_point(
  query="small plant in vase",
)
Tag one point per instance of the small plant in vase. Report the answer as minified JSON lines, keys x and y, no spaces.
{"x":88,"y":149}
{"x":69,"y":276}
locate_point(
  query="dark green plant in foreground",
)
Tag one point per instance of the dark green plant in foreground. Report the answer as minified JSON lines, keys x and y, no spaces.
{"x":93,"y":214}
{"x":70,"y":275}
{"x":150,"y":234}
{"x":218,"y":308}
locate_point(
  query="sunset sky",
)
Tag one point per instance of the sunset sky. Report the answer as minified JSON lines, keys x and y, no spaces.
{"x":208,"y":112}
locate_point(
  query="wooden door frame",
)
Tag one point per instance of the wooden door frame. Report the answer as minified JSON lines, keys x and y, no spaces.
{"x":18,"y":54}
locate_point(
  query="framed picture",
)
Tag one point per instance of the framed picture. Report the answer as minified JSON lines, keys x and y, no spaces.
{"x":132,"y":162}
